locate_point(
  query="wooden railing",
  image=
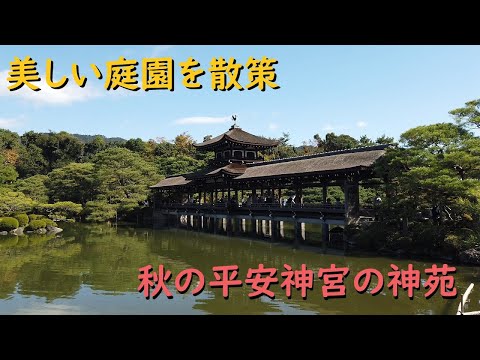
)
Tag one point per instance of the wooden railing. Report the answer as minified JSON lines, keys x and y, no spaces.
{"x":255,"y":206}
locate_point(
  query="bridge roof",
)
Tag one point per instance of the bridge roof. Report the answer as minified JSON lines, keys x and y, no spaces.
{"x":323,"y":163}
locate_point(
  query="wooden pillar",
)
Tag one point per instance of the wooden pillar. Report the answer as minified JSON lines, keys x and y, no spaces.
{"x":228,"y":224}
{"x":253,"y":227}
{"x":281,"y":231}
{"x":325,"y":236}
{"x":299,"y":233}
{"x":204,"y":197}
{"x":264,"y":228}
{"x":274,"y":230}
{"x":352,"y":201}
{"x":238,"y":226}
{"x":215,"y":225}
{"x":243,"y":225}
{"x":324,"y":194}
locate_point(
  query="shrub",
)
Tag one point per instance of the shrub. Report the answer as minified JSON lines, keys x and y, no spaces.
{"x":50,"y":222}
{"x":35,"y":217}
{"x":22,"y":219}
{"x":36,"y":224}
{"x":8,"y":223}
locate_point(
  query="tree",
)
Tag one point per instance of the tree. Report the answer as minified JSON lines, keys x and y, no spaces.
{"x":74,"y":182}
{"x":31,"y":161}
{"x":165,"y":149}
{"x":58,"y":149}
{"x":136,"y":145}
{"x":468,"y":115}
{"x":365,"y":141}
{"x":100,"y":211}
{"x":180,"y":164}
{"x":122,"y":178}
{"x":385,"y":140}
{"x":33,"y":187}
{"x":12,"y":202}
{"x":96,"y":145}
{"x":334,"y":142}
{"x":9,"y":140}
{"x":435,"y":177}
{"x":436,"y":138}
{"x":184,"y":144}
{"x":8,"y":174}
{"x":282,"y":151}
{"x":61,"y":210}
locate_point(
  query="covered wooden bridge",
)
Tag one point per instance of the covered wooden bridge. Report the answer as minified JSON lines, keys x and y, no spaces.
{"x":239,"y":193}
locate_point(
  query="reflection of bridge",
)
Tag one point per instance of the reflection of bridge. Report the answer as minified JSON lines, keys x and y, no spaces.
{"x":264,"y":220}
{"x":241,"y":194}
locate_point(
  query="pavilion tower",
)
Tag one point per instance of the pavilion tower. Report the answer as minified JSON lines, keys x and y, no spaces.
{"x":236,"y":146}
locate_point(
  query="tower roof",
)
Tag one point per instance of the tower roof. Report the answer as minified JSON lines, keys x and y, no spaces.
{"x":237,"y":136}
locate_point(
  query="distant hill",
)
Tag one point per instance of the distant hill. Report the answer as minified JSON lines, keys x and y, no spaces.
{"x":89,"y":138}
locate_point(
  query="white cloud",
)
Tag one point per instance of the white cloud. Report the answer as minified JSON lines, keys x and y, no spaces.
{"x":67,"y":95}
{"x":361,"y":124}
{"x":158,"y":49}
{"x":330,"y":127}
{"x":195,"y":120}
{"x":273,"y":126}
{"x":9,"y":123}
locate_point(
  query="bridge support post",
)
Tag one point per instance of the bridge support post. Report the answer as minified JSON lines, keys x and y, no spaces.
{"x":325,"y":236}
{"x":228,"y":225}
{"x":274,"y":230}
{"x":253,"y":227}
{"x":299,"y":233}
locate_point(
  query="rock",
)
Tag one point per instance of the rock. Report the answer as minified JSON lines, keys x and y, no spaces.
{"x":3,"y":232}
{"x":17,"y":231}
{"x":53,"y":229}
{"x":470,"y":256}
{"x":41,"y":231}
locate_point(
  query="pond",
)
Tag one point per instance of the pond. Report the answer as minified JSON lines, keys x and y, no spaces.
{"x":92,"y":269}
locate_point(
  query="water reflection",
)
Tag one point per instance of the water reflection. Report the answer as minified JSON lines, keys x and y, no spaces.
{"x":93,"y":269}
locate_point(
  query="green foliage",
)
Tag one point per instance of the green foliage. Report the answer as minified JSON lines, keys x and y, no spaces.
{"x":61,"y":210}
{"x":36,"y":224}
{"x":22,"y":219}
{"x":58,"y":149}
{"x":33,"y":187}
{"x":8,"y":174}
{"x":436,"y":138}
{"x":180,"y":164}
{"x":31,"y":161}
{"x":12,"y":202}
{"x":50,"y":222}
{"x":93,"y":147}
{"x":74,"y":182}
{"x":334,"y":142}
{"x":35,"y":217}
{"x":100,"y":211}
{"x":123,"y":178}
{"x":468,"y":115}
{"x":8,"y":223}
{"x":9,"y":140}
{"x":136,"y":145}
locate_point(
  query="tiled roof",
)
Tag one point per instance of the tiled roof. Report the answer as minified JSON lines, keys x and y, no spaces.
{"x":237,"y":135}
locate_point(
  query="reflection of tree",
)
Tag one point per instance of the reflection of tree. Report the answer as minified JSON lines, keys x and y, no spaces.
{"x":107,"y":259}
{"x":204,"y":251}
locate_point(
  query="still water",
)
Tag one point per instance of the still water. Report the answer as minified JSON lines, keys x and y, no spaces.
{"x":94,"y":270}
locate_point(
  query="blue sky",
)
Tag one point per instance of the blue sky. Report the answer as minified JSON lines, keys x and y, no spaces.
{"x":354,"y":90}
